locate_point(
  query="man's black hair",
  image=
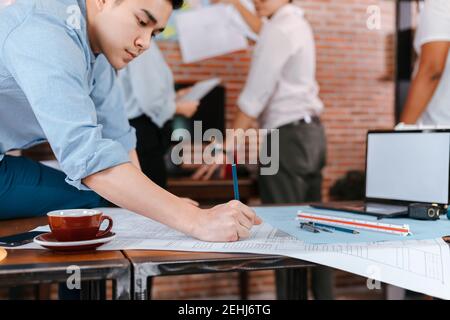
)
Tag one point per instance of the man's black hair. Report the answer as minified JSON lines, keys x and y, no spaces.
{"x":176,"y":4}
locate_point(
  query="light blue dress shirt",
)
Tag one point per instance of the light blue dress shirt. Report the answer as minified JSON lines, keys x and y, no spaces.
{"x":147,"y":84}
{"x":53,"y":88}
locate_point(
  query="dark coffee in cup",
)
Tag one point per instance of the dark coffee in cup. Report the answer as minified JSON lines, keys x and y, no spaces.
{"x":78,"y":224}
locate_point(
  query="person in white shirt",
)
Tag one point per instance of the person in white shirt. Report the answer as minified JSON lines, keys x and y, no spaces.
{"x":150,"y":102}
{"x":281,"y":93}
{"x":428,"y":101}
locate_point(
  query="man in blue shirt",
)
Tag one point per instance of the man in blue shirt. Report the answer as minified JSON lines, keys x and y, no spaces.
{"x":57,"y":85}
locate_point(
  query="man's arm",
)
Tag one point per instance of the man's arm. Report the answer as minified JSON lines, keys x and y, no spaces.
{"x":243,"y":120}
{"x":134,"y":159}
{"x":431,"y":66}
{"x":127,"y":187}
{"x":253,"y":21}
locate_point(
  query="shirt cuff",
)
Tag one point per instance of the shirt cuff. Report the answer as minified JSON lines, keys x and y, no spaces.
{"x":111,"y":155}
{"x":129,"y":140}
{"x":250,"y":107}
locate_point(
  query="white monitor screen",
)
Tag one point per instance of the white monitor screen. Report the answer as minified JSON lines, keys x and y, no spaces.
{"x":408,"y":166}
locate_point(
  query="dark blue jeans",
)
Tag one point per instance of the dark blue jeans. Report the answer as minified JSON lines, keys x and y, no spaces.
{"x":30,"y":189}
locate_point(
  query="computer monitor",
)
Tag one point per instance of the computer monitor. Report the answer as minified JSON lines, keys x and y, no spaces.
{"x":408,"y":166}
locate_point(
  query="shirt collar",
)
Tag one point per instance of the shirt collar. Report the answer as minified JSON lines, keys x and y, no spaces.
{"x":82,"y":4}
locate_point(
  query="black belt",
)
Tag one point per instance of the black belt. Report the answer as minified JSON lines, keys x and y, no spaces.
{"x":306,"y":120}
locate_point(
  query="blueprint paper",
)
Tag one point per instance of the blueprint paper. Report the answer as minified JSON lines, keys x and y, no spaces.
{"x":205,"y":33}
{"x":283,"y":218}
{"x":418,"y":265}
{"x":135,"y":232}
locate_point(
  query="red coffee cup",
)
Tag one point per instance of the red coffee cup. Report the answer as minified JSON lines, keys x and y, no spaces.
{"x":78,"y":224}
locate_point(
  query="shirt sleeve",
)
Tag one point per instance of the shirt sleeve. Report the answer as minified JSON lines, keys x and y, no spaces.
{"x":109,"y":103}
{"x":271,"y":54}
{"x":49,"y":64}
{"x":434,"y":23}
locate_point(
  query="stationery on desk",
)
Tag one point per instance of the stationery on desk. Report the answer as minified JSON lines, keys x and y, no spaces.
{"x":338,"y":222}
{"x":331,"y":228}
{"x":235,"y":182}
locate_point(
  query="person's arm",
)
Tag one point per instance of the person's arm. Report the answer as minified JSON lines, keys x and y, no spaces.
{"x":243,"y":120}
{"x":253,"y":21}
{"x":432,"y":63}
{"x":185,"y":108}
{"x":134,"y":159}
{"x":58,"y":93}
{"x":128,"y":188}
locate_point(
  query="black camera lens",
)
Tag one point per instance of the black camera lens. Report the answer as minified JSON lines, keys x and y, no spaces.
{"x":431,"y":212}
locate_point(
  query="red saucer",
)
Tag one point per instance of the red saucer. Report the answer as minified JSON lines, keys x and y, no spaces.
{"x":47,"y":240}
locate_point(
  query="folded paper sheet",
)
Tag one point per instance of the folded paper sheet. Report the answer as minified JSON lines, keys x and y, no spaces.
{"x":208,"y":32}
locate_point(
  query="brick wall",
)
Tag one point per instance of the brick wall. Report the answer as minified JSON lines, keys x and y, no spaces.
{"x":355,"y":70}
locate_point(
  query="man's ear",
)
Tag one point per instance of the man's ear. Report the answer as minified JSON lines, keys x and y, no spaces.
{"x":101,"y":4}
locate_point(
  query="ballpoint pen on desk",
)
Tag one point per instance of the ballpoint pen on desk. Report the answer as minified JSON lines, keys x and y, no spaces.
{"x":235,"y":182}
{"x":309,"y":227}
{"x":325,"y":229}
{"x":326,"y":226}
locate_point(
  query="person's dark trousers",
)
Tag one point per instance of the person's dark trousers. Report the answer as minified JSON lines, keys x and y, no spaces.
{"x":152,"y":145}
{"x":30,"y":189}
{"x":302,"y":156}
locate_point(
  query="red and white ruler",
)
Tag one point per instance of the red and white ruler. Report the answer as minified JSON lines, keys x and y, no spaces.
{"x":357,"y":224}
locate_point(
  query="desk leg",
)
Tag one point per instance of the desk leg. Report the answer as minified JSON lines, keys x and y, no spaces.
{"x":93,"y":290}
{"x":143,"y":274}
{"x":140,"y":287}
{"x":292,"y":284}
{"x":122,"y":285}
{"x":243,"y":285}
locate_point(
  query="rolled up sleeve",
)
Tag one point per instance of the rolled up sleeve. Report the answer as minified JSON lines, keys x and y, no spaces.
{"x":270,"y":55}
{"x":109,"y":102}
{"x":434,"y":23}
{"x":51,"y":68}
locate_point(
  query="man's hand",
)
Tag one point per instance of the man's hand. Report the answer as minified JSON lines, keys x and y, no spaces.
{"x":187,"y":108}
{"x":206,"y":171}
{"x":182,"y":92}
{"x":191,"y":202}
{"x":226,"y":223}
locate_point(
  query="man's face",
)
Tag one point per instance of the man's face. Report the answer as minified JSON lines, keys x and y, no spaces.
{"x":266,"y":8}
{"x":124,"y":30}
